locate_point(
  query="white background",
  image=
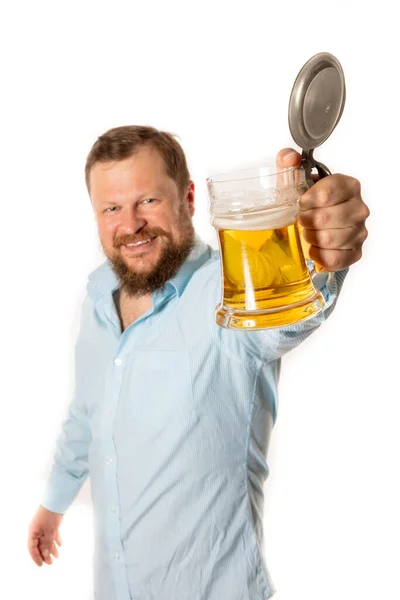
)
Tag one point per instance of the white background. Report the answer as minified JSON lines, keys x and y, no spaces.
{"x":219,"y":75}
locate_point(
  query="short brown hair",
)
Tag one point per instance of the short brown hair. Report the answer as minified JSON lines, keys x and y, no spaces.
{"x":120,"y":143}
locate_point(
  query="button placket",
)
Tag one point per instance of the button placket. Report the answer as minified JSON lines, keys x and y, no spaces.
{"x":113,"y":387}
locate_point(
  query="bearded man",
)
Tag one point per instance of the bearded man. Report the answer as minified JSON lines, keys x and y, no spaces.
{"x":172,"y":415}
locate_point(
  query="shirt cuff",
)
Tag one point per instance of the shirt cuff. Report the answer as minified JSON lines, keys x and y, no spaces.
{"x":60,"y":492}
{"x":329,"y":284}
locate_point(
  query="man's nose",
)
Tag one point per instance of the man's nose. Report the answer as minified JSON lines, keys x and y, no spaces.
{"x":132,"y":221}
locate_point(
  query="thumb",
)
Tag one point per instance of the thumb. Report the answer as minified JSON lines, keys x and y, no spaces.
{"x":288,"y":158}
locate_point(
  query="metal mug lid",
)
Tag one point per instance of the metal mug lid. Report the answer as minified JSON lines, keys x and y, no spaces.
{"x":317,"y":101}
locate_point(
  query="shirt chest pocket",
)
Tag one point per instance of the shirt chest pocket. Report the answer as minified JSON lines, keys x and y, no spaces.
{"x":160,"y":387}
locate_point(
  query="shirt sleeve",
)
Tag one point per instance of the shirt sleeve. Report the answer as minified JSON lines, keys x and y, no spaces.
{"x":271,"y":344}
{"x":70,"y":464}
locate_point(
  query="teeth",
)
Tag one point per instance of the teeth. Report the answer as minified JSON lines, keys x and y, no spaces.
{"x":139,"y":243}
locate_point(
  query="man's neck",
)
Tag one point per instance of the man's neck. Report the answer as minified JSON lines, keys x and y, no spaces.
{"x":130,"y":308}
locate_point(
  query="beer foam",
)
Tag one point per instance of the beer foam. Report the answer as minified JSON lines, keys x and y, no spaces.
{"x":273,"y":217}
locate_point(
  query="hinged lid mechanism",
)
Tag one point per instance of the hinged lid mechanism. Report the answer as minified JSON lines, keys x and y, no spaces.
{"x":315,"y":107}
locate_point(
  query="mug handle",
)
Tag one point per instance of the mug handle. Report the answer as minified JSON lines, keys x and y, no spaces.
{"x":307,"y":164}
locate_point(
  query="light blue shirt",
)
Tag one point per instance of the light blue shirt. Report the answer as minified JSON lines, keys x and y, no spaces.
{"x":172,"y":419}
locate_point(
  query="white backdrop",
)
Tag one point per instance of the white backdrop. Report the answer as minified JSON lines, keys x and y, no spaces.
{"x":219,"y":74}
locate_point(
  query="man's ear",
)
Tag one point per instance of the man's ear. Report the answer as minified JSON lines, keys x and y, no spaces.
{"x":190,"y":195}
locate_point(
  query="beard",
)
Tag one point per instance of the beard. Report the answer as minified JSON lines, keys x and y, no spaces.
{"x":173,"y":255}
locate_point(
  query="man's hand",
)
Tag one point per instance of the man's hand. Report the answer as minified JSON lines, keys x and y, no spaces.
{"x":44,"y":536}
{"x":332,"y":214}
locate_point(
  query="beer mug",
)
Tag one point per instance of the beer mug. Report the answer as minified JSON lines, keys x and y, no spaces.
{"x":265,"y":279}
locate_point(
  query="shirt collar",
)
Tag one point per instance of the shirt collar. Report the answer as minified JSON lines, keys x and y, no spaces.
{"x":197,"y":257}
{"x":103,"y":281}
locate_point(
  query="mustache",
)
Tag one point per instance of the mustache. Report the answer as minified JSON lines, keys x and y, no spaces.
{"x":144,"y":235}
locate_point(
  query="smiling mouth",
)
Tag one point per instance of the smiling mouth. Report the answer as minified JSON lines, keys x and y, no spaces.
{"x":140,"y":243}
{"x":133,"y":247}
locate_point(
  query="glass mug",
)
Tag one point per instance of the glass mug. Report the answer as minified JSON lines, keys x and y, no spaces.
{"x":266,"y":282}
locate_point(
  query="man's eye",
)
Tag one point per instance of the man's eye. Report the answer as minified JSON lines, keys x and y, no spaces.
{"x":111,"y":209}
{"x":149,"y":201}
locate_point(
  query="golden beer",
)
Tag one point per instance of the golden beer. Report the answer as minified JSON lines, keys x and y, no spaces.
{"x":266,"y":282}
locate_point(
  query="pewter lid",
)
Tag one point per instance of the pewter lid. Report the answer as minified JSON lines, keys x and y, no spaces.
{"x":317,"y":101}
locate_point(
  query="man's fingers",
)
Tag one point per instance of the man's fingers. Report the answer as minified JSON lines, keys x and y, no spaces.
{"x":37,"y":557}
{"x":334,"y":260}
{"x":33,"y":548}
{"x":46,"y":556}
{"x":58,"y":538}
{"x":329,"y":191}
{"x":288,"y":158}
{"x":347,"y":238}
{"x":46,"y":547}
{"x":346,"y":214}
{"x":44,"y":537}
{"x":54,"y":551}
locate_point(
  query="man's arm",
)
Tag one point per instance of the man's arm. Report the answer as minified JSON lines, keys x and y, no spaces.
{"x":271,"y":344}
{"x":332,"y":214}
{"x":68,"y":473}
{"x":70,"y":463}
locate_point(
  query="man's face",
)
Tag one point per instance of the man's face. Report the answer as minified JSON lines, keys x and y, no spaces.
{"x":145,"y":225}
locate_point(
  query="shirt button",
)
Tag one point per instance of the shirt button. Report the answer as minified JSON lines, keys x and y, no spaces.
{"x":109,"y":412}
{"x":113,"y":509}
{"x":109,"y":461}
{"x":116,"y":556}
{"x":118,"y":362}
